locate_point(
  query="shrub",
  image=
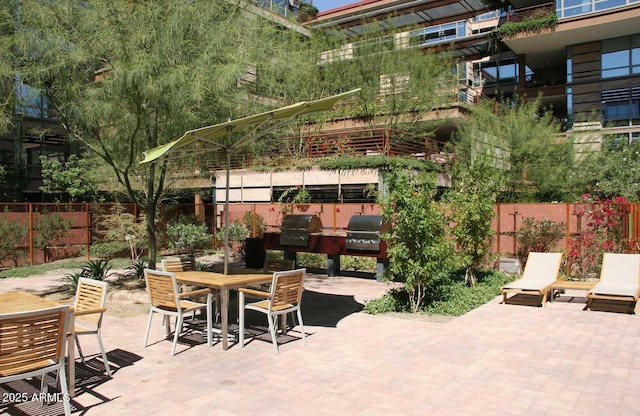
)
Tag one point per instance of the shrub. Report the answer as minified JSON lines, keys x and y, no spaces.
{"x":188,"y":237}
{"x":49,"y":230}
{"x":14,"y":236}
{"x":312,"y":260}
{"x":261,"y":225}
{"x":537,"y":236}
{"x":237,"y":235}
{"x":395,"y":300}
{"x":109,"y":249}
{"x":358,"y":263}
{"x":120,"y":230}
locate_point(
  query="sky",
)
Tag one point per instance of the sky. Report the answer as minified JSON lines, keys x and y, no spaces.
{"x":323,"y":5}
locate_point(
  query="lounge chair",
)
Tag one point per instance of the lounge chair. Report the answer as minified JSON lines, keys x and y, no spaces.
{"x":540,"y":272}
{"x":618,"y":287}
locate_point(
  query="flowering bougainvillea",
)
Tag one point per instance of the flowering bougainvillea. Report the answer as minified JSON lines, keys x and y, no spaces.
{"x":601,"y":229}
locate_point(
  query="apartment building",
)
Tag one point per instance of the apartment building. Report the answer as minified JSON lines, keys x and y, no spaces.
{"x":583,"y":56}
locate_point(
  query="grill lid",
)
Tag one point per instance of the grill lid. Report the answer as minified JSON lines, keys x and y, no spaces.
{"x":295,"y":229}
{"x":364,"y":232}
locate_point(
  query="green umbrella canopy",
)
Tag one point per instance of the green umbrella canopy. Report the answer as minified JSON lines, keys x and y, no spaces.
{"x":257,"y":125}
{"x":207,"y":136}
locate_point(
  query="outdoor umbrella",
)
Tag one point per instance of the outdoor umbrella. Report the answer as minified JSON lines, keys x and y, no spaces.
{"x":257,"y":125}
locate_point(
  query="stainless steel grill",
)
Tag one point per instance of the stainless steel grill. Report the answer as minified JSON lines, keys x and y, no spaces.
{"x":296,"y":228}
{"x":363,"y":232}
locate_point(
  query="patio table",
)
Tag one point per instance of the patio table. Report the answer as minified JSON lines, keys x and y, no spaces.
{"x":12,"y":302}
{"x":224,"y":282}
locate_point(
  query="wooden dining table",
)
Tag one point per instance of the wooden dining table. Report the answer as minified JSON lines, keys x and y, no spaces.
{"x":224,"y":283}
{"x":12,"y":302}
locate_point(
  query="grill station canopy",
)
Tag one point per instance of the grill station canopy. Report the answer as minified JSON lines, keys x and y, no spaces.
{"x":295,"y":229}
{"x":363,"y":232}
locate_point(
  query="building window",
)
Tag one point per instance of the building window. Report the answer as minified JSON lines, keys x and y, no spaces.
{"x":620,"y":56}
{"x":621,"y":107}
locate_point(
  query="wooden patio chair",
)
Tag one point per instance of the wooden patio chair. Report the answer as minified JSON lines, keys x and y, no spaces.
{"x":89,"y":308}
{"x":540,"y":272}
{"x":33,"y":344}
{"x":277,"y":265}
{"x":165,"y":299}
{"x":285,"y":296}
{"x":619,"y":287}
{"x":181,"y":264}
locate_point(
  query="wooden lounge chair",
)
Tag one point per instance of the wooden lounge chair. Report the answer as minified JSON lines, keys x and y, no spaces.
{"x":618,"y":288}
{"x":540,"y":272}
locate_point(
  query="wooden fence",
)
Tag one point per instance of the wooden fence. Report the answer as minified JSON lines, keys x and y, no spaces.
{"x":334,"y":217}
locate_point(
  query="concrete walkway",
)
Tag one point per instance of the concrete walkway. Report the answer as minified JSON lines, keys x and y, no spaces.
{"x":496,"y":360}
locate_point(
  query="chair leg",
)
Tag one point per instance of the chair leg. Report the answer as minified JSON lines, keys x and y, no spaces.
{"x":62,"y":377}
{"x":241,"y":317}
{"x":75,"y":337}
{"x":209,"y":319}
{"x":177,"y":334}
{"x":146,"y":336}
{"x":304,"y":337}
{"x":272,"y":331}
{"x":104,"y":354}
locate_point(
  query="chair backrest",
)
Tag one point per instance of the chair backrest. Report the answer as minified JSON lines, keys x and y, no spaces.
{"x":275,"y":265}
{"x":618,"y":267}
{"x":287,"y":287}
{"x":91,"y":294}
{"x":162,"y":289}
{"x":542,"y":266}
{"x":182,"y":264}
{"x":32,"y":340}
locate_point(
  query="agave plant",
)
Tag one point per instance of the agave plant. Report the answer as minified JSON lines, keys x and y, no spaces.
{"x":136,"y":269}
{"x":96,"y":269}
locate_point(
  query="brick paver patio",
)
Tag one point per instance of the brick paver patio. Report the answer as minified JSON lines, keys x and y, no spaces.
{"x":496,"y":360}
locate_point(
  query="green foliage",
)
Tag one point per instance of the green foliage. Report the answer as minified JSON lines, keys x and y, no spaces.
{"x":73,"y":279}
{"x":417,"y":242}
{"x":518,"y":137}
{"x":358,"y":263}
{"x":96,"y":269}
{"x":452,"y":296}
{"x":49,"y":229}
{"x":472,"y":197}
{"x":615,"y":170}
{"x":189,"y":237}
{"x":26,"y":271}
{"x":73,"y":178}
{"x":536,"y":23}
{"x":378,"y":162}
{"x":395,"y":300}
{"x":14,"y":238}
{"x":136,"y":269}
{"x":119,"y":230}
{"x":538,"y":236}
{"x":312,"y":260}
{"x":295,"y":195}
{"x":125,"y":77}
{"x":260,"y":224}
{"x":449,"y":295}
{"x":108,"y":249}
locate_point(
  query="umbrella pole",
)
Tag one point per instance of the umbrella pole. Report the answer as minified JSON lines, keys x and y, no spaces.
{"x":226,"y":214}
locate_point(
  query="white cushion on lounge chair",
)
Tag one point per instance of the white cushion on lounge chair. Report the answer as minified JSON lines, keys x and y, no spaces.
{"x":540,"y":272}
{"x":618,"y":278}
